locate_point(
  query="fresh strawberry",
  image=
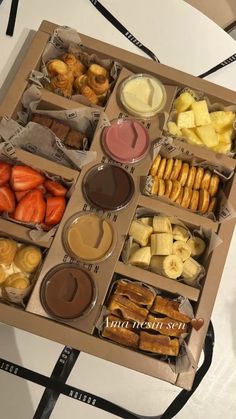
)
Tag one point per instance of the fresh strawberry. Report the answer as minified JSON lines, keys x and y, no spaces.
{"x":55,"y":209}
{"x":19,"y":195}
{"x":55,"y":188}
{"x":31,"y":207}
{"x":24,"y":178}
{"x":7,"y":199}
{"x":5,"y":173}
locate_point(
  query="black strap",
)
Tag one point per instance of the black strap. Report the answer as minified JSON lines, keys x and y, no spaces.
{"x":122,"y":29}
{"x":147,"y":51}
{"x":61,"y":372}
{"x":12,"y":18}
{"x":96,"y":401}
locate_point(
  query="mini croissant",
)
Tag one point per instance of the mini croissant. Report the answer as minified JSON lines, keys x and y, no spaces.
{"x":74,"y":64}
{"x":62,"y":82}
{"x":87,"y":92}
{"x":56,"y":67}
{"x":98,"y":83}
{"x":97,"y":70}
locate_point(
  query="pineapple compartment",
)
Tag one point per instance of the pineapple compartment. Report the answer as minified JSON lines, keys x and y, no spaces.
{"x":202,"y":123}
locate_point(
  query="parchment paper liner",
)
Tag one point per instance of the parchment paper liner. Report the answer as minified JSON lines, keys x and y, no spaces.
{"x":211,"y":107}
{"x":166,"y":148}
{"x":84,"y":119}
{"x":178,"y":364}
{"x":15,"y":296}
{"x":211,"y":239}
{"x":7,"y":154}
{"x":65,"y":39}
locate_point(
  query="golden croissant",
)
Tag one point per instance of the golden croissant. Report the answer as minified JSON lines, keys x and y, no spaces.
{"x":87,"y":92}
{"x":2,"y":275}
{"x":74,"y":64}
{"x":80,"y":82}
{"x":27,"y":258}
{"x":62,"y":82}
{"x":97,"y":70}
{"x":56,"y":67}
{"x":99,"y":84}
{"x":8,"y":249}
{"x":17,"y":280}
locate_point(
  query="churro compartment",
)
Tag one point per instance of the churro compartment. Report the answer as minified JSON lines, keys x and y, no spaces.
{"x":145,"y":319}
{"x":197,"y":120}
{"x":190,"y":180}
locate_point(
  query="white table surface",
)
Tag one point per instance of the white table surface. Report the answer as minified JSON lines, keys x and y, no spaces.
{"x":185,"y":39}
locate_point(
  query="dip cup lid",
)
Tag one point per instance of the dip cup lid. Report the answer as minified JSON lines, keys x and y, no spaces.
{"x":126,"y":140}
{"x":68,"y":292}
{"x":108,"y":187}
{"x":88,"y":237}
{"x":142,"y":95}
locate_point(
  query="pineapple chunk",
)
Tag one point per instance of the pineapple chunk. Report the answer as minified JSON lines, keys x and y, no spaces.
{"x":201,"y":114}
{"x":183,"y":102}
{"x":173,"y":129}
{"x":192,"y":138}
{"x":185,"y":120}
{"x":208,"y":135}
{"x":222,"y":121}
{"x":226,"y":136}
{"x":222,"y":148}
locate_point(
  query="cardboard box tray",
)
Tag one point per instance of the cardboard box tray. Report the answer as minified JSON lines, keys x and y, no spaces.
{"x":80,"y":334}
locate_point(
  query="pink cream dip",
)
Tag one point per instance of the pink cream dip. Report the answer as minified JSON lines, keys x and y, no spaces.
{"x":126,"y":141}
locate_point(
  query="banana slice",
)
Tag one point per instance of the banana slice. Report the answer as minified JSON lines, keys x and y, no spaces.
{"x":140,"y":232}
{"x":197,"y":246}
{"x":161,"y":244}
{"x":172,"y":266}
{"x":180,"y":233}
{"x":141,"y":257}
{"x":161,"y":224}
{"x":156,"y":264}
{"x":146,"y":220}
{"x":134,"y":247}
{"x":181,"y":249}
{"x":191,"y":269}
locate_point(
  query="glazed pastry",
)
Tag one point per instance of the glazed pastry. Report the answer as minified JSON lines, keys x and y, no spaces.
{"x":155,"y":185}
{"x":168,"y":169}
{"x":135,"y":292}
{"x":159,"y":344}
{"x":99,"y":84}
{"x":2,"y":275}
{"x":180,"y":196}
{"x":204,"y":200}
{"x":187,"y":195}
{"x":170,"y":308}
{"x":75,"y":140}
{"x":191,"y":176}
{"x":155,"y":165}
{"x":8,"y":248}
{"x":87,"y":92}
{"x":175,"y":191}
{"x":97,"y":70}
{"x":205,"y":183}
{"x":166,"y":326}
{"x":63,"y":83}
{"x":161,"y":187}
{"x":176,"y":169}
{"x":27,"y":258}
{"x":183,"y":175}
{"x":198,"y":178}
{"x":80,"y":81}
{"x":161,"y":169}
{"x":121,"y":335}
{"x":194,"y":200}
{"x":214,"y":185}
{"x":119,"y":305}
{"x":56,"y":67}
{"x":212,"y":205}
{"x":74,"y":64}
{"x":17,"y":280}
